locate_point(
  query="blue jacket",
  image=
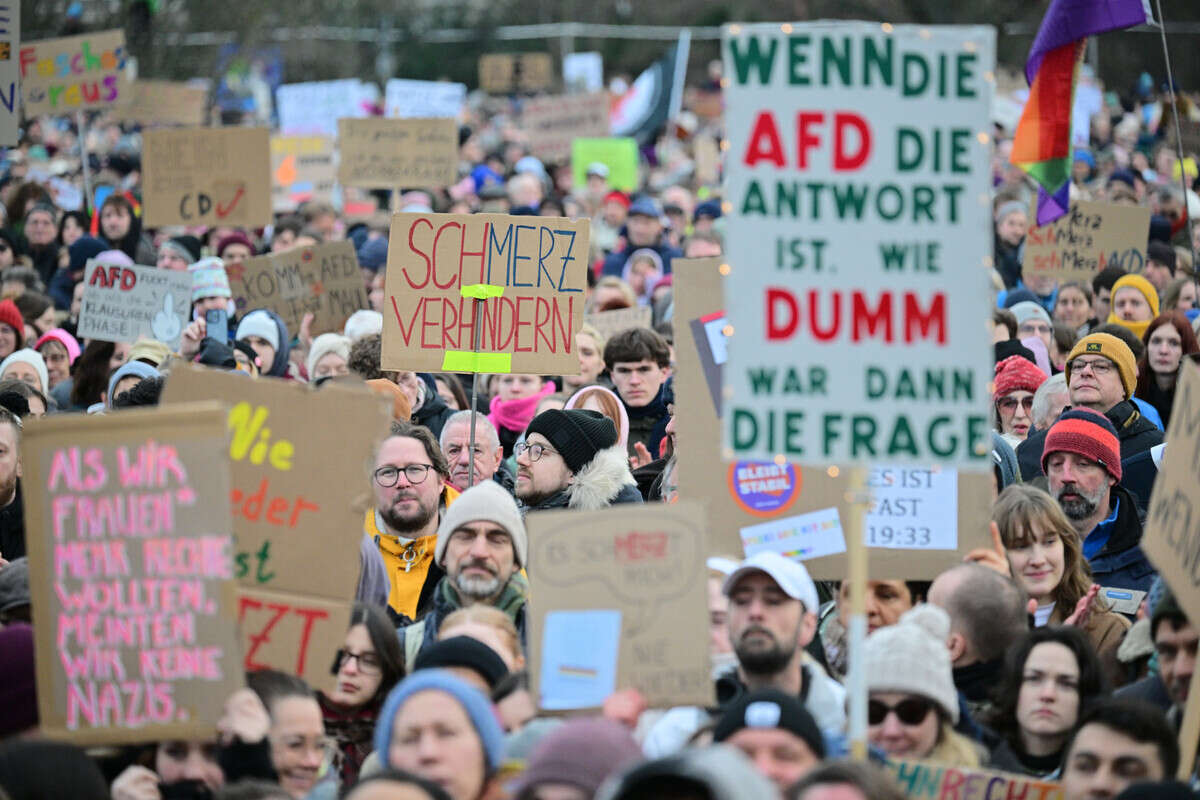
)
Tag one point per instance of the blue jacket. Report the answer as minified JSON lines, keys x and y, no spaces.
{"x":614,"y":263}
{"x":1122,"y":564}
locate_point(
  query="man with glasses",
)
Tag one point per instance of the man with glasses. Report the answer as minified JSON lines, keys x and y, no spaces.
{"x":571,"y":459}
{"x":412,"y":491}
{"x":1101,"y":375}
{"x":481,"y":548}
{"x":1082,"y":461}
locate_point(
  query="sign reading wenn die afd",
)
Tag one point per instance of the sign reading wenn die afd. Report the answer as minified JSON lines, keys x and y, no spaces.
{"x":859,"y":176}
{"x":530,"y":272}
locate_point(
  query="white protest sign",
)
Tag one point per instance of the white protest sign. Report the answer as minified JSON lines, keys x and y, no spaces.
{"x":804,"y":536}
{"x":913,"y":508}
{"x":583,"y":72}
{"x":313,"y":108}
{"x":405,"y":98}
{"x":859,"y":178}
{"x":124,"y":304}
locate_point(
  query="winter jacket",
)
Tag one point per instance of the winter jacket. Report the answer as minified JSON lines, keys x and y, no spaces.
{"x":1104,"y":630}
{"x":1138,"y":474}
{"x":433,"y":412}
{"x":648,"y":423}
{"x":603,"y":481}
{"x":415,"y":637}
{"x":614,"y":264}
{"x":1122,"y":564}
{"x":1135,"y":433}
{"x":12,"y":527}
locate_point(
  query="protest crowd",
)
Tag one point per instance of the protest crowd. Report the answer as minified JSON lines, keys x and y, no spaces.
{"x":389,"y":475}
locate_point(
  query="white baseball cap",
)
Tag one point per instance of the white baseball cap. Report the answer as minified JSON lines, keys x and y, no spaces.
{"x":791,"y":576}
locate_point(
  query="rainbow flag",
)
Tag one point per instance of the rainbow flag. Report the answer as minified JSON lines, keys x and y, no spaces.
{"x":1042,"y":145}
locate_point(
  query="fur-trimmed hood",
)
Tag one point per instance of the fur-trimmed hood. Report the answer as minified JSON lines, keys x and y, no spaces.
{"x":605,"y":480}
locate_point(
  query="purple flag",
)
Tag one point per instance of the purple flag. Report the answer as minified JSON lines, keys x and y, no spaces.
{"x":1069,"y":21}
{"x":1052,"y":206}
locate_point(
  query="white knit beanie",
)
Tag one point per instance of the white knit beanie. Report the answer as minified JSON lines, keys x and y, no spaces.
{"x":363,"y":322}
{"x":486,"y":501}
{"x":34,"y":359}
{"x":325,"y":344}
{"x":911,"y":657}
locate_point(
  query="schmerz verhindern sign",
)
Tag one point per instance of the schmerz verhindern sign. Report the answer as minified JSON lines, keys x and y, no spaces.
{"x":857,"y":179}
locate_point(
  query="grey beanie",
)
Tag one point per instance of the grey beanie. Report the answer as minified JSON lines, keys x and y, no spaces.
{"x":486,"y":501}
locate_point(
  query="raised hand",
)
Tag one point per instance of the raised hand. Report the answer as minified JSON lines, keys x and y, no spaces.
{"x":995,"y":557}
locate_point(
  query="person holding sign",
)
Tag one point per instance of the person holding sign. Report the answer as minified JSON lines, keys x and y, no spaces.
{"x":1050,"y":675}
{"x":913,"y":704}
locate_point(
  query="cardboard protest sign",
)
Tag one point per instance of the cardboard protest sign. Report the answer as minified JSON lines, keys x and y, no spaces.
{"x":95,"y":77}
{"x":405,"y":98}
{"x":297,"y":532}
{"x":313,"y":108}
{"x":165,"y":103}
{"x":530,"y":272}
{"x":324,"y":280}
{"x":553,"y":123}
{"x":10,"y":73}
{"x":610,"y":323}
{"x":1085,"y":240}
{"x":620,"y":604}
{"x":132,"y":578}
{"x":923,"y":780}
{"x":207,"y":176}
{"x":124,"y":304}
{"x":708,"y":160}
{"x":921,"y":521}
{"x":510,"y":72}
{"x":391,"y":153}
{"x":302,"y":169}
{"x":619,"y":154}
{"x":858,"y":235}
{"x":1172,"y":537}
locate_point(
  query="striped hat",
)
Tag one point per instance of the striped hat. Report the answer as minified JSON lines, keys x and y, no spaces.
{"x":1088,"y":434}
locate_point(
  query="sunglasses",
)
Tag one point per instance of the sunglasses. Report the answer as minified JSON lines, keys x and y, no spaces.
{"x":910,"y":712}
{"x":1010,"y":403}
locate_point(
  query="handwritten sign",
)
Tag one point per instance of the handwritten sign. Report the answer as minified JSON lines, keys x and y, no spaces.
{"x":60,"y":76}
{"x":530,"y":272}
{"x":508,"y":72}
{"x":406,"y":98}
{"x":1085,"y":240}
{"x":619,"y":154}
{"x":132,"y":581}
{"x":1172,"y":537}
{"x":165,"y":103}
{"x":297,"y":532}
{"x":207,"y":176}
{"x":302,"y":169}
{"x":745,"y":494}
{"x":324,"y":280}
{"x":610,"y":323}
{"x":552,"y":123}
{"x":124,"y":304}
{"x":313,"y":108}
{"x":620,"y":603}
{"x":920,"y":780}
{"x":10,"y":72}
{"x":393,"y":153}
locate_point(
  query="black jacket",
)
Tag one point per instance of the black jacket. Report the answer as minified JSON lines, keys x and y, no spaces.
{"x":12,"y":527}
{"x":1122,"y":564}
{"x":1135,"y":433}
{"x":433,"y":412}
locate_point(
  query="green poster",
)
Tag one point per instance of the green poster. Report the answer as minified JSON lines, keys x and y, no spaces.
{"x":620,"y":155}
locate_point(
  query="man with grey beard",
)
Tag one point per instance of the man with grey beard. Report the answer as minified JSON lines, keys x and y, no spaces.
{"x":1082,"y":462}
{"x":482,"y":546}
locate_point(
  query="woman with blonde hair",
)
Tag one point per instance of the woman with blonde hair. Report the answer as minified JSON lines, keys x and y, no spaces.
{"x":605,"y":401}
{"x":1046,"y":560}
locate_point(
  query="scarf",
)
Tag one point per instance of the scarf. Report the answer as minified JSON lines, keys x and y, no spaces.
{"x":511,"y":600}
{"x":515,"y":415}
{"x":353,"y":729}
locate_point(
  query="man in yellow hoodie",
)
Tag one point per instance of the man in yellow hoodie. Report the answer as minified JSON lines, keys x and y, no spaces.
{"x":410,"y":480}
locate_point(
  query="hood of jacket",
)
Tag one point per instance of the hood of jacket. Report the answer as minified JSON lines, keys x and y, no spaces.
{"x":602,"y":481}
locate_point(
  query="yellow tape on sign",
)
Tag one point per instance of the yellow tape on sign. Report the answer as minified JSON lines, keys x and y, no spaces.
{"x":466,"y":361}
{"x":481,"y":291}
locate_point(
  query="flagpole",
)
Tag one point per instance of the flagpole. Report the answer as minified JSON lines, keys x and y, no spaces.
{"x":1162,"y":29}
{"x":81,"y":123}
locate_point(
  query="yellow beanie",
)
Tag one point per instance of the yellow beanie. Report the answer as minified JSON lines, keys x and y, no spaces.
{"x":1148,"y":291}
{"x":1112,"y":348}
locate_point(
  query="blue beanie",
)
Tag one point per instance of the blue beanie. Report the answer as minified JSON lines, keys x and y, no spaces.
{"x":373,"y":254}
{"x":139,"y":368}
{"x":473,"y":701}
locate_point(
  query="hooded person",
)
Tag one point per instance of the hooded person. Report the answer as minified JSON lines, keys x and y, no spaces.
{"x":265,"y":332}
{"x":27,"y":365}
{"x":572,"y":459}
{"x":1134,"y":304}
{"x":62,"y":284}
{"x":581,"y":753}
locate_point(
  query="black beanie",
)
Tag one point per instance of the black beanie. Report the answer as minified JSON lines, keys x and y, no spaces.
{"x":1167,"y":608}
{"x":463,"y":651}
{"x":1162,"y":790}
{"x":770,"y":708}
{"x":577,"y":435}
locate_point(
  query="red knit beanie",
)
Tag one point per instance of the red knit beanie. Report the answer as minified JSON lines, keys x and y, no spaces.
{"x":10,"y":315}
{"x":1088,"y":434}
{"x":1017,"y":373}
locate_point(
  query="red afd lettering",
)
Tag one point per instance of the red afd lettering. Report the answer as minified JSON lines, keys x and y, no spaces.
{"x":764,"y":144}
{"x":842,"y":160}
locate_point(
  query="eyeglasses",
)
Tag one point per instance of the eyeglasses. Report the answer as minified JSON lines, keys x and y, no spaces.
{"x":1009,"y":404}
{"x":368,"y":663}
{"x":911,"y":711}
{"x":389,"y":476}
{"x":1098,"y":366}
{"x":536,"y":451}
